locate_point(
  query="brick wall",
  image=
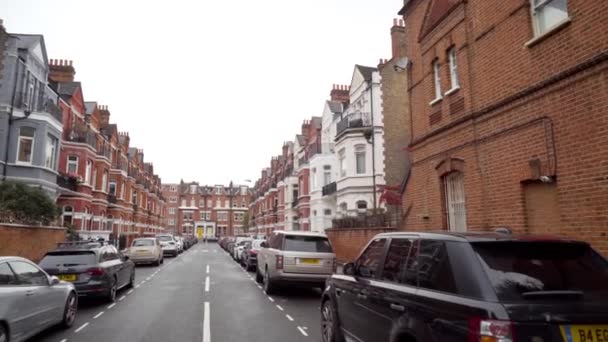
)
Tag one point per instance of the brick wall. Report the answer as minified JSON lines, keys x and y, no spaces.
{"x":29,"y":242}
{"x":348,"y":243}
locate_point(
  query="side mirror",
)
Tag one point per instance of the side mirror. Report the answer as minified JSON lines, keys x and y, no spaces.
{"x":54,"y":281}
{"x":349,"y":269}
{"x":264,"y":245}
{"x":125,"y":257}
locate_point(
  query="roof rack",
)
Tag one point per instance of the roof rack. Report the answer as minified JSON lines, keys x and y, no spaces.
{"x":83,"y":243}
{"x":504,"y":230}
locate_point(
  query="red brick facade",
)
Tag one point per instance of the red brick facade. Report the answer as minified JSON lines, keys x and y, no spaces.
{"x":527,"y":127}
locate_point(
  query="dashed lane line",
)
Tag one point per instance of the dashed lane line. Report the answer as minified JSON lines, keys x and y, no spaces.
{"x":207,"y":284}
{"x":111,"y":305}
{"x":279,"y":307}
{"x":137,"y":286}
{"x":64,"y":340}
{"x":303,"y":331}
{"x":289,"y":317}
{"x":130,"y":291}
{"x":206,"y":323}
{"x":122,"y":298}
{"x":207,"y":269}
{"x":98,"y":315}
{"x":81,"y":327}
{"x":271,"y":299}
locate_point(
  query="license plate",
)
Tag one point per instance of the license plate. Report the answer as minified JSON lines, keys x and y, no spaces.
{"x":584,"y":333}
{"x":309,"y":261}
{"x":142,"y":251}
{"x":67,"y":277}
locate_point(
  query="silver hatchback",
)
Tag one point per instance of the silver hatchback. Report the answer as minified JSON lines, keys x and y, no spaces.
{"x":292,"y":257}
{"x":31,"y":300}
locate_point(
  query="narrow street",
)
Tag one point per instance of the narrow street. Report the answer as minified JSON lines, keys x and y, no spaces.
{"x":202,"y":295}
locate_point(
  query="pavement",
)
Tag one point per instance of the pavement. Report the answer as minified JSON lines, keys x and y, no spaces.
{"x":201,"y":295}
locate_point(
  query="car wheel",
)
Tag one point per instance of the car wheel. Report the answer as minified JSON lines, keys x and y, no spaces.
{"x":269,"y":286}
{"x":3,"y":334}
{"x":258,"y":276}
{"x":162,"y":259}
{"x":131,"y":283}
{"x":111,"y":297}
{"x":158,"y":262}
{"x":69,"y":313}
{"x":330,"y":330}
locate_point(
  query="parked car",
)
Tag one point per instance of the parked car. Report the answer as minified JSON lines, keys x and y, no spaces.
{"x":96,"y":269}
{"x":468,"y":287}
{"x":180,"y":244}
{"x":249,"y":257}
{"x":32,"y":301}
{"x":168,"y":244}
{"x":146,"y":250}
{"x":227,"y":242}
{"x":294,"y":257}
{"x":238,"y":248}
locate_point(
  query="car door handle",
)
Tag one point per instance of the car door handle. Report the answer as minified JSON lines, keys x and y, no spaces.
{"x":397,"y":307}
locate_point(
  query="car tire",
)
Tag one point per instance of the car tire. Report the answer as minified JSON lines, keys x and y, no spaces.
{"x":258,"y":276}
{"x":3,"y":333}
{"x":131,"y":283}
{"x":269,"y":284}
{"x":330,"y":328}
{"x":111,"y":296}
{"x":158,"y":262}
{"x":70,"y":310}
{"x":162,"y":259}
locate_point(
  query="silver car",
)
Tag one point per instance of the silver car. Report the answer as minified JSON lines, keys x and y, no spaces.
{"x":31,"y":300}
{"x":293,"y":257}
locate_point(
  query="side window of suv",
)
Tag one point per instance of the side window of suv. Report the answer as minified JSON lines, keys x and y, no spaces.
{"x":368,"y":262}
{"x":276,"y":240}
{"x":434,"y":269}
{"x":401,"y":261}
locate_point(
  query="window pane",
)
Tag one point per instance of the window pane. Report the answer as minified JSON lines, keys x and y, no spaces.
{"x":25,"y":149}
{"x":54,"y":259}
{"x":396,"y":259}
{"x":307,"y":244}
{"x":360,"y":157}
{"x":368,"y":262}
{"x":6,"y":275}
{"x":29,"y":274}
{"x":434,"y":268}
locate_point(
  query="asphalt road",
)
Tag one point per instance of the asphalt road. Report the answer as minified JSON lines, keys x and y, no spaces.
{"x":202,"y":295}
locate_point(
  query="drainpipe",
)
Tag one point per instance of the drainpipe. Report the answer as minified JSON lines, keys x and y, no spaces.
{"x":10,"y":118}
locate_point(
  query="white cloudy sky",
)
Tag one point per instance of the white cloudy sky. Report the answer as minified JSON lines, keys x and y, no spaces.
{"x":209,"y":89}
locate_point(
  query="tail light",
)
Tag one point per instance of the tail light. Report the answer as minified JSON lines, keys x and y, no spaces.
{"x":279,"y":262}
{"x":97,"y":271}
{"x":253,"y":251}
{"x":481,"y":330}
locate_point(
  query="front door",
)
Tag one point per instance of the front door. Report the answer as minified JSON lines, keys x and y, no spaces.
{"x":199,"y":232}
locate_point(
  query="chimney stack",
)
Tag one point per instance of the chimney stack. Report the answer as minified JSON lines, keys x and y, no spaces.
{"x":104,"y":116}
{"x":340,"y":93}
{"x":398,"y":38}
{"x":61,"y":70}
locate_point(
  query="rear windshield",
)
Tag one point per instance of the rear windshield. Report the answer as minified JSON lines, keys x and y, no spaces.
{"x":318,"y":244}
{"x":516,"y":268}
{"x":257,"y":244}
{"x":68,"y":259}
{"x":145,"y":242}
{"x":165,"y":238}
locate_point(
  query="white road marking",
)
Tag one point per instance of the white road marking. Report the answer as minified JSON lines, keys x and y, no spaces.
{"x":64,"y":340}
{"x":148,"y":279}
{"x":206,"y":324}
{"x":205,"y":250}
{"x":289,"y":317}
{"x":259,"y":287}
{"x":137,"y":286}
{"x":271,"y":299}
{"x":122,"y":298}
{"x":130,"y":291}
{"x":143,"y":282}
{"x":111,"y":305}
{"x":207,"y":284}
{"x":207,"y":269}
{"x":279,"y":307}
{"x":302,"y":331}
{"x":81,"y":327}
{"x":98,"y":315}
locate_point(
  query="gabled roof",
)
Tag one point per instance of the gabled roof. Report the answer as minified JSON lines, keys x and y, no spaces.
{"x":32,"y":42}
{"x":110,"y":130}
{"x":436,"y":12}
{"x":67,"y":89}
{"x":335,"y":106}
{"x":366,"y":72}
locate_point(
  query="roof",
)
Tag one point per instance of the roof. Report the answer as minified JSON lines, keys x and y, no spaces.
{"x":292,"y":232}
{"x":316,"y":121}
{"x":12,"y":258}
{"x":481,"y":236}
{"x":366,"y":71}
{"x":301,"y":139}
{"x":335,"y":106}
{"x":67,"y":88}
{"x":90,"y":107}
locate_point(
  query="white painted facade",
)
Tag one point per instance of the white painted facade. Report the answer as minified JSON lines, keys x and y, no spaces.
{"x":291,"y":212}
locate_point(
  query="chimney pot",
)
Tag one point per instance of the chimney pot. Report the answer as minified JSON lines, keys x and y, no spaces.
{"x":394,"y":22}
{"x":70,"y":63}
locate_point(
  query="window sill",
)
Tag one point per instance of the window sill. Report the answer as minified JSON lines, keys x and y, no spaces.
{"x":549,"y":33}
{"x":435,"y":101}
{"x":452,"y":91}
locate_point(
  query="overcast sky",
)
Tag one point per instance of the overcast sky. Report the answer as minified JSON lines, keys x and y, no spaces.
{"x":209,"y":89}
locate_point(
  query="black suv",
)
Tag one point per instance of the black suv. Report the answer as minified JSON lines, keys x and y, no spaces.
{"x":97,"y":269}
{"x":489,"y":287}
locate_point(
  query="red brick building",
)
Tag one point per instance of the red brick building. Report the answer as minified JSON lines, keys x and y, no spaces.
{"x":107,"y":190}
{"x":509,"y":116}
{"x":211,"y":211}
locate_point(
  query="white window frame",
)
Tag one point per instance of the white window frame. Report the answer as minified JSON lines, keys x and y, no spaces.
{"x":110,"y":188}
{"x":171,"y":211}
{"x":104,"y":181}
{"x":342,"y":161}
{"x":537,"y":7}
{"x":314,"y":178}
{"x":32,"y":139}
{"x":122,"y":190}
{"x":326,"y":174}
{"x":87,"y":173}
{"x":455,"y":202}
{"x":51,"y":152}
{"x":437,"y":81}
{"x":360,"y":151}
{"x":453,"y":64}
{"x":72,"y":163}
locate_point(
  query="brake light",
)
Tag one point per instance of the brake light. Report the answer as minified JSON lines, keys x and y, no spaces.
{"x":254,"y":252}
{"x":483,"y":330}
{"x":96,"y":271}
{"x":279,"y":262}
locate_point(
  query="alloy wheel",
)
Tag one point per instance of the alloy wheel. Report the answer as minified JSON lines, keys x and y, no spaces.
{"x":113,"y":291}
{"x":327,"y":322}
{"x":3,"y":337}
{"x":70,"y":310}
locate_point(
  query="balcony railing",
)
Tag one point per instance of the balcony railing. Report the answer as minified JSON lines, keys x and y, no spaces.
{"x":112,"y":199}
{"x":295,"y":202}
{"x":84,"y":137}
{"x":67,"y":182}
{"x":329,"y":188}
{"x":42,"y":104}
{"x":135,"y":207}
{"x":355,"y":120}
{"x":105,"y":151}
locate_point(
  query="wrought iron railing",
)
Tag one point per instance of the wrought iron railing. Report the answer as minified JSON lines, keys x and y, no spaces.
{"x":329,"y":188}
{"x":355,"y":120}
{"x":66,"y":182}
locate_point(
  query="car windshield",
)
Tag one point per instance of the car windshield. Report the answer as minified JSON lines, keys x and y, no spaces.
{"x":68,"y":259}
{"x":165,"y":238}
{"x":519,"y":268}
{"x":143,"y":242}
{"x":297,"y":243}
